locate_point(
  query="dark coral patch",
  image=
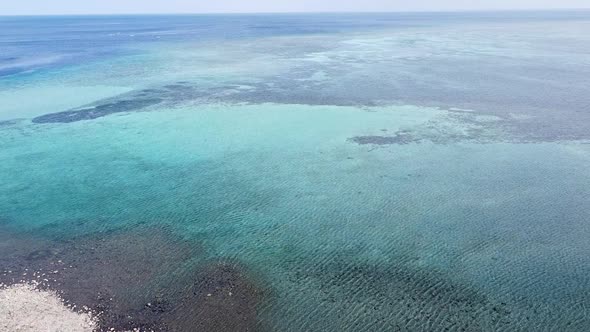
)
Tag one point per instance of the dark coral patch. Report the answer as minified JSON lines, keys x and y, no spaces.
{"x":399,"y":138}
{"x":7,"y":123}
{"x":115,"y":273}
{"x":223,"y":298}
{"x":89,"y":113}
{"x":421,"y":298}
{"x":145,"y":278}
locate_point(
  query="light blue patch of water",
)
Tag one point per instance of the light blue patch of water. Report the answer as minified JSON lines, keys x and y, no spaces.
{"x":482,"y":236}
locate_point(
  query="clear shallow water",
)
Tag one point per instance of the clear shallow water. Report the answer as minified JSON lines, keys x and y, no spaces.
{"x":303,"y":173}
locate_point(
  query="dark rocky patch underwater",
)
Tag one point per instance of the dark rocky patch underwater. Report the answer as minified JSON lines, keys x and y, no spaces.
{"x":145,"y":278}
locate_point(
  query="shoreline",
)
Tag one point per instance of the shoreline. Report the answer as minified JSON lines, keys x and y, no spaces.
{"x":25,"y":307}
{"x":127,"y":280}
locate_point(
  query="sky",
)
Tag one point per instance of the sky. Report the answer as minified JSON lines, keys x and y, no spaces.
{"x":43,"y":7}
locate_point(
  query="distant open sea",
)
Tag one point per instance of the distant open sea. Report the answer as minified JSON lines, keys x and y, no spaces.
{"x":291,"y":172}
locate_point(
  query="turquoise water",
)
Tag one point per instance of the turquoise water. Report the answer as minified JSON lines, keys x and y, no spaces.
{"x":354,"y":175}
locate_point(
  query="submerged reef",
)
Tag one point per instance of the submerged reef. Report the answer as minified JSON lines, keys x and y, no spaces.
{"x":138,"y":100}
{"x":399,"y":138}
{"x":447,"y":128}
{"x":222,"y":298}
{"x":397,"y":296}
{"x":481,"y":125}
{"x":144,"y":278}
{"x":97,"y":111}
{"x":7,"y":123}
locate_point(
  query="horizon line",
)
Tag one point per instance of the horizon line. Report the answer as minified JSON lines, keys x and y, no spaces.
{"x":307,"y":12}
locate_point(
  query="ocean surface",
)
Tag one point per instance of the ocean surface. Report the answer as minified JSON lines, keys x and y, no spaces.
{"x":322,"y":172}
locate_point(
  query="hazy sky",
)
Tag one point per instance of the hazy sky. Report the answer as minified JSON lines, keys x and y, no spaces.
{"x":26,"y":7}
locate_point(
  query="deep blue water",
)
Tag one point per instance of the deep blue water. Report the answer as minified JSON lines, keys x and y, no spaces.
{"x":34,"y":43}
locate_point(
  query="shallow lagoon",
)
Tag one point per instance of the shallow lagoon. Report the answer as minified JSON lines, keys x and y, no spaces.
{"x":310,"y":180}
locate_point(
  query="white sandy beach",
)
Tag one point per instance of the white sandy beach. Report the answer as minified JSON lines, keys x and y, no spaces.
{"x":24,"y":308}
